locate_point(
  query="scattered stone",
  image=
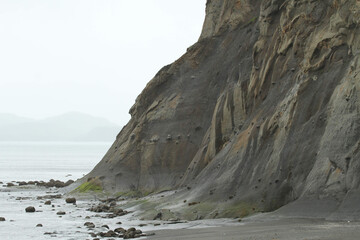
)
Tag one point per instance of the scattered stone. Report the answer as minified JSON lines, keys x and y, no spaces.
{"x":56,"y":196}
{"x":60,"y":213}
{"x":89,"y":225}
{"x":30,"y":209}
{"x":10,"y":184}
{"x":115,"y":212}
{"x":93,"y":235}
{"x":108,"y":234}
{"x":120,"y":230}
{"x":48,"y":202}
{"x":52,"y":183}
{"x":22,"y":183}
{"x":2,"y":219}
{"x":39,"y":225}
{"x":105,"y":226}
{"x":70,"y":200}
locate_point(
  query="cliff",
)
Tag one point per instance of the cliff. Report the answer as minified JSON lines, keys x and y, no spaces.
{"x":264,"y":110}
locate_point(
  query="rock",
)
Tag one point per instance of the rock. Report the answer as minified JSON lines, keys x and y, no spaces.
{"x":89,"y":225}
{"x":129,"y":234}
{"x":39,"y":225}
{"x":158,"y":216}
{"x":70,"y":200}
{"x":61,"y":213}
{"x":93,"y":235}
{"x":22,"y":183}
{"x":48,"y":202}
{"x":119,"y":230}
{"x":2,"y":219}
{"x":109,"y":234}
{"x":10,"y":184}
{"x":30,"y":209}
{"x":105,"y":226}
{"x":283,"y":64}
{"x":67,"y":183}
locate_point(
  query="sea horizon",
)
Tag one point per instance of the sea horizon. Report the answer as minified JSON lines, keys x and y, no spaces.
{"x":45,"y":160}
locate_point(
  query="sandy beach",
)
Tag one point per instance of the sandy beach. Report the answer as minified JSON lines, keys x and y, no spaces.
{"x":283,"y":229}
{"x":72,"y":225}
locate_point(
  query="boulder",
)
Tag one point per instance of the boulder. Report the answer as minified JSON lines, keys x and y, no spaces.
{"x":30,"y":209}
{"x":70,"y":200}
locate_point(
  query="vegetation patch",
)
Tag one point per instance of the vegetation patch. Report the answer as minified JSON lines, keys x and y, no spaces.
{"x":92,"y":186}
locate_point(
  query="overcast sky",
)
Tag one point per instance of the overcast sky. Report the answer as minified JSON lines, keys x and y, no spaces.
{"x":90,"y":56}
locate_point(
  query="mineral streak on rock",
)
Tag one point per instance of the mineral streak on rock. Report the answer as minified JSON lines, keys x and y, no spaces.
{"x":270,"y":91}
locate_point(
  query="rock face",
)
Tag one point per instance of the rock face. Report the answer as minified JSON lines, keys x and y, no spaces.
{"x":264,"y":108}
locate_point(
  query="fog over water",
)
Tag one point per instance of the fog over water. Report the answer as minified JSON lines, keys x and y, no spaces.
{"x":89,"y":56}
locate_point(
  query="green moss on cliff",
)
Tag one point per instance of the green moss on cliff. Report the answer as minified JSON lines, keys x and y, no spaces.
{"x":89,"y":186}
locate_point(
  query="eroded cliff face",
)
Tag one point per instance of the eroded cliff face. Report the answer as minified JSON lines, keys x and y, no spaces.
{"x":264,"y":109}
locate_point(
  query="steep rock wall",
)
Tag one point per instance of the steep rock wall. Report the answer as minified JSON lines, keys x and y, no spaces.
{"x":264,"y":108}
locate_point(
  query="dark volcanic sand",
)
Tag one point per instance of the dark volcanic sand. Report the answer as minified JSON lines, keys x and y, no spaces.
{"x":284,"y":229}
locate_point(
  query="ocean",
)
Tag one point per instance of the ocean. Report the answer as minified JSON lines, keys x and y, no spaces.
{"x":25,"y":161}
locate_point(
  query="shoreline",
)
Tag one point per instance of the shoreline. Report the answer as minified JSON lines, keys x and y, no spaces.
{"x":281,"y":229}
{"x":262,"y":226}
{"x":70,"y":221}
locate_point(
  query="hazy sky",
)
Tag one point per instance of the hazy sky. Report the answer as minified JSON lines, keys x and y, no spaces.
{"x":91,"y":56}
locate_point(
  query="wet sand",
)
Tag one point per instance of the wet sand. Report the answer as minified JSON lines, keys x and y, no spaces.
{"x":270,"y":226}
{"x":22,"y":225}
{"x":282,"y":229}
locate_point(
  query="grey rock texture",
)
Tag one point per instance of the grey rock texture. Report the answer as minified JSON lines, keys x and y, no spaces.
{"x":262,"y":111}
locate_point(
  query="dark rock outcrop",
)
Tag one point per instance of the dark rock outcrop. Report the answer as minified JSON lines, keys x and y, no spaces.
{"x":264,"y":108}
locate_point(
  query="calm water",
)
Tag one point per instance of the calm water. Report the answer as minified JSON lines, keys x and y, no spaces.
{"x":24,"y":161}
{"x":43,"y":161}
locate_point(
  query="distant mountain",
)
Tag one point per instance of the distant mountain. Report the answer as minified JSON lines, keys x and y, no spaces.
{"x":11,"y":119}
{"x":72,"y":126}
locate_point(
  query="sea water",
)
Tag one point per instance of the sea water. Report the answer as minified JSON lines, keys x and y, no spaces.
{"x":25,"y":161}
